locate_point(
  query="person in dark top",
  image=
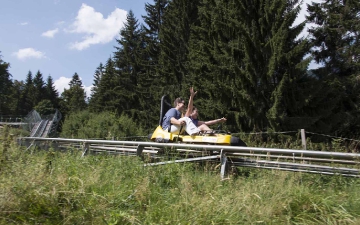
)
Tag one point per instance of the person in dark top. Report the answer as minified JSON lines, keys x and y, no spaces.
{"x":172,"y":120}
{"x":203,"y":125}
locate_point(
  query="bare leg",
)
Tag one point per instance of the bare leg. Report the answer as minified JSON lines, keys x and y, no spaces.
{"x":190,"y":126}
{"x":204,"y":127}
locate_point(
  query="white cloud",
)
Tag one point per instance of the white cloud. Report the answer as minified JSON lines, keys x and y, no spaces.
{"x":50,"y":33}
{"x":88,"y":90}
{"x":63,"y":82}
{"x":96,"y":28}
{"x":24,"y":23}
{"x":25,"y":53}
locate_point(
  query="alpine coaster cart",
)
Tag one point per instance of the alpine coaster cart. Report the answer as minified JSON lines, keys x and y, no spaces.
{"x":216,"y":137}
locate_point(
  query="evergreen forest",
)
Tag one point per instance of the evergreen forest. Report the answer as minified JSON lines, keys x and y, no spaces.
{"x":246,"y":59}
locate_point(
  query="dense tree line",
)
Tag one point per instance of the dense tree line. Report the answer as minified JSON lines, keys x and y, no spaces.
{"x":245,"y":58}
{"x":20,"y":97}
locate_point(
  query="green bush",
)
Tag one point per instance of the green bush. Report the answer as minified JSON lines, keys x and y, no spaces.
{"x":105,"y":125}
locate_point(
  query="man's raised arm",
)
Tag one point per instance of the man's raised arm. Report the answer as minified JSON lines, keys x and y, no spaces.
{"x":191,"y":102}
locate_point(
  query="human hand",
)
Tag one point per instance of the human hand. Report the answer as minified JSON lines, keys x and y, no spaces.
{"x":192,"y":93}
{"x":223,"y":119}
{"x":182,"y":123}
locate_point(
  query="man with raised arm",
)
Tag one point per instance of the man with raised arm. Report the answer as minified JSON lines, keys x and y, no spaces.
{"x":172,"y":120}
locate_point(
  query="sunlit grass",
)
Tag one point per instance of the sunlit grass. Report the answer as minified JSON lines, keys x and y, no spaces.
{"x":48,"y":187}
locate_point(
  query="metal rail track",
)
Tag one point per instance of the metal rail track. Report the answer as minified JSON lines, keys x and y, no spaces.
{"x":320,"y":162}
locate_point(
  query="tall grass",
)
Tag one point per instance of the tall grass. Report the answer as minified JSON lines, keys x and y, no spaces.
{"x":49,"y":187}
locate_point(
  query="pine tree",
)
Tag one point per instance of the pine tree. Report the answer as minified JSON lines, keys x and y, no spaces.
{"x":336,"y":35}
{"x":27,"y":97}
{"x":97,"y":77}
{"x":39,"y":88}
{"x":5,"y":88}
{"x":51,"y":93}
{"x":150,"y":83}
{"x":17,"y":104}
{"x":93,"y":101}
{"x":247,"y":60}
{"x":75,"y":81}
{"x":74,"y":97}
{"x":153,"y":22}
{"x":215,"y":59}
{"x":106,"y":96}
{"x":337,"y":48}
{"x":176,"y":30}
{"x":128,"y":60}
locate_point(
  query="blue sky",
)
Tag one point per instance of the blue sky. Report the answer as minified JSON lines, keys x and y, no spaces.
{"x":61,"y":37}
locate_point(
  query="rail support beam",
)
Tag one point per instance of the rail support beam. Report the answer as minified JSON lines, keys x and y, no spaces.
{"x":86,"y":149}
{"x":139,"y":150}
{"x":223,"y":160}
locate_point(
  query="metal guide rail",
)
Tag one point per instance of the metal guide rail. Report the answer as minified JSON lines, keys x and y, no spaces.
{"x":320,"y":162}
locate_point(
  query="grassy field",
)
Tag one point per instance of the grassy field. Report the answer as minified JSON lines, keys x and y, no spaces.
{"x":47,"y":187}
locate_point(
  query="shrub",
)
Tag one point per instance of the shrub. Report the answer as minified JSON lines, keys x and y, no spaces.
{"x":105,"y":125}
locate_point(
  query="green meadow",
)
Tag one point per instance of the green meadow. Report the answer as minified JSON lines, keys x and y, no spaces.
{"x":52,"y":187}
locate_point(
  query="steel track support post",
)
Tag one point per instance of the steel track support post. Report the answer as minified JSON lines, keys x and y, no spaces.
{"x":32,"y":144}
{"x":139,"y":150}
{"x":85,"y":148}
{"x":303,"y":139}
{"x":223,"y":160}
